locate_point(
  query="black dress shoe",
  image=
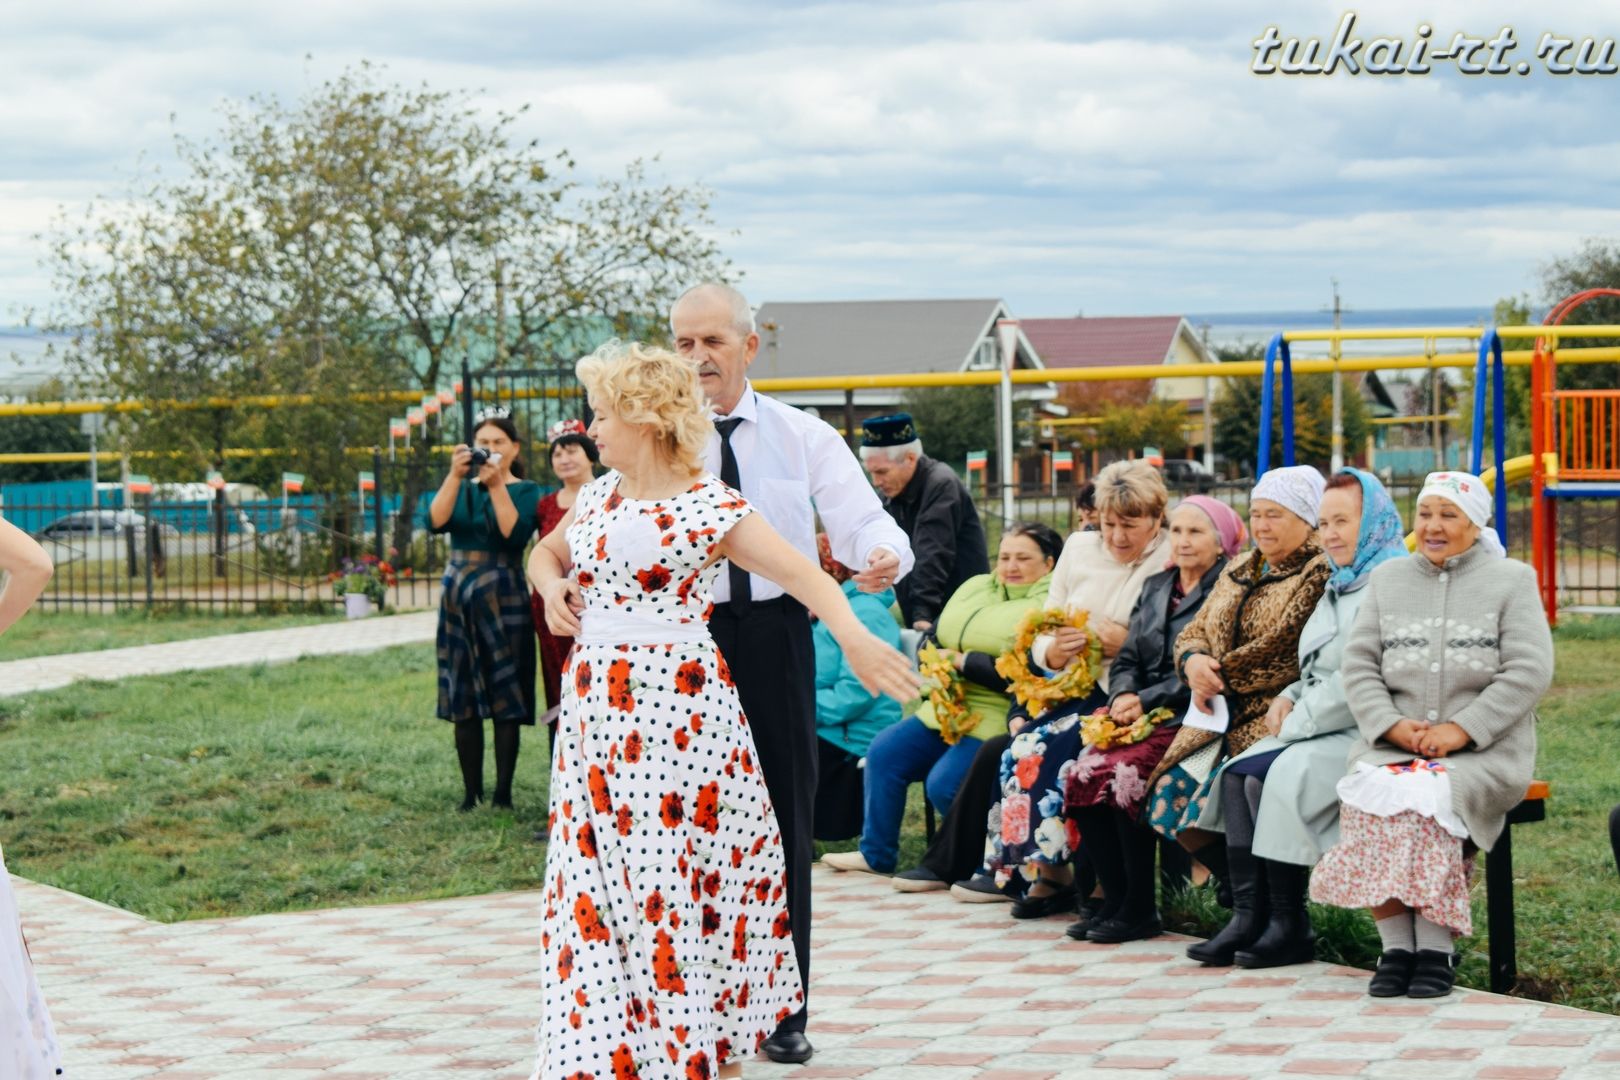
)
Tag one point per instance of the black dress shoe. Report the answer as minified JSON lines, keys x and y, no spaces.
{"x":1118,"y":931}
{"x":789,"y":1048}
{"x":1433,"y":974}
{"x":1393,"y":974}
{"x":1058,"y":902}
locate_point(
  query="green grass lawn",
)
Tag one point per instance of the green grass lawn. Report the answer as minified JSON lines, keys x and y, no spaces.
{"x":328,"y":782}
{"x":49,"y":632}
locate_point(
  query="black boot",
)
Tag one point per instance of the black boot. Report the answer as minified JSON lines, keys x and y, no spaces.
{"x":506,"y":755}
{"x":1214,"y":858}
{"x":1247,"y":875}
{"x":1288,"y":937}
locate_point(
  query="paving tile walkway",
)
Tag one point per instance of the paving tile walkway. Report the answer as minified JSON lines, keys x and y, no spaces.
{"x":221,"y":650}
{"x":905,"y":986}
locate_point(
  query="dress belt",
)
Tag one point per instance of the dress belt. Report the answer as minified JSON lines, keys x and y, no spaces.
{"x":615,"y":626}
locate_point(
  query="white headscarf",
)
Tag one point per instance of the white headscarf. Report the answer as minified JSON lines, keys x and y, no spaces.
{"x":1296,"y":488}
{"x":1469,"y":494}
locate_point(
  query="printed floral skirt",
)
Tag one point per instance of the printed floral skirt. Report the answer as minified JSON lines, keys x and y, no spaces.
{"x":1177,"y":800}
{"x":1026,"y":828}
{"x":1116,"y":777}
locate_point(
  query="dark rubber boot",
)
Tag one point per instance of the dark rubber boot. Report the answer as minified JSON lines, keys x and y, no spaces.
{"x":1288,"y":937}
{"x":1247,"y":876}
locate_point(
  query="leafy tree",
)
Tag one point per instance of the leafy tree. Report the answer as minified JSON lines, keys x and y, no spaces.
{"x":1595,"y":265}
{"x":1131,"y":427}
{"x":1237,"y":415}
{"x":366,"y":238}
{"x":951,"y":420}
{"x":42,"y":434}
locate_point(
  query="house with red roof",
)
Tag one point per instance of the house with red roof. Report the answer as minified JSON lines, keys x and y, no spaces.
{"x":1110,"y":341}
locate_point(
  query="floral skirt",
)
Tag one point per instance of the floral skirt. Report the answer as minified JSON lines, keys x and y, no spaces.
{"x":1026,"y":827}
{"x":1177,"y":800}
{"x":1116,"y":777}
{"x":1398,"y":840}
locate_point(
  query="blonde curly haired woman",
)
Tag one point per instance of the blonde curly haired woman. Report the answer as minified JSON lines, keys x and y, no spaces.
{"x":666,"y":941}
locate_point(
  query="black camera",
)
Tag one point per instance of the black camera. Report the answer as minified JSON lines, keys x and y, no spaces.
{"x":480,"y":455}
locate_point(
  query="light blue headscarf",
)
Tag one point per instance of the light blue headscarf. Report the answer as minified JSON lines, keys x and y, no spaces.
{"x":1382,"y":535}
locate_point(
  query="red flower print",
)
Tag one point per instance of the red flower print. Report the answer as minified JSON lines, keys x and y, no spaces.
{"x":1015,"y":819}
{"x":622,"y":820}
{"x":739,"y":939}
{"x":666,"y":973}
{"x":674,"y":920}
{"x":780,"y":927}
{"x":706,"y":815}
{"x":601,"y":548}
{"x":672,"y":810}
{"x":681,"y":1033}
{"x":733,"y":504}
{"x":762,"y":889}
{"x":682,"y":739}
{"x":655,"y":907}
{"x":624,"y":1064}
{"x":599,"y":790}
{"x":742,"y":996}
{"x":711,"y":920}
{"x":587,"y":840}
{"x":575,"y":1021}
{"x":697,"y":1066}
{"x":711,"y":883}
{"x":580,"y":1076}
{"x":723,"y":670}
{"x":759,"y":845}
{"x":690,"y":677}
{"x":582,"y":678}
{"x":619,"y":696}
{"x":722,"y":1049}
{"x":673,"y":1051}
{"x":581,"y":998}
{"x":585,"y":578}
{"x":590,"y":923}
{"x":632,"y":747}
{"x":748,"y":762}
{"x":565,"y":962}
{"x":683,"y":591}
{"x":696,"y":723}
{"x":653,"y":578}
{"x":1027,"y":770}
{"x":736,"y":857}
{"x":613,"y":501}
{"x":663,"y":519}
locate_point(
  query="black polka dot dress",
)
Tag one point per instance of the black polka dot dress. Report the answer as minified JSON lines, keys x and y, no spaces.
{"x":666,"y":945}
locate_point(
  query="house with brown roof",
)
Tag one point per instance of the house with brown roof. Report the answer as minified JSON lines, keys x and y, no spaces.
{"x":1114,"y":340}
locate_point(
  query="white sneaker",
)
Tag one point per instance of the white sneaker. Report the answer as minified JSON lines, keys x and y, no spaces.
{"x":849,"y":861}
{"x":979,"y":889}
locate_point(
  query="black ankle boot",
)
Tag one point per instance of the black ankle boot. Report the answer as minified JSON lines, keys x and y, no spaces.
{"x":1246,"y":874}
{"x":1288,"y":937}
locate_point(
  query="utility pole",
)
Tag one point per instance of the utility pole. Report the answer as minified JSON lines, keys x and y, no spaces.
{"x":1209,"y":405}
{"x":1336,"y":352}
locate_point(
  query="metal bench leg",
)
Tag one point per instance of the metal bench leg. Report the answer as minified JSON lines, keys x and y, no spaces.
{"x":1499,"y":914}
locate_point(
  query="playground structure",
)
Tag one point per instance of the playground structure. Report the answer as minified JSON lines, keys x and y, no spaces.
{"x":1575,"y":434}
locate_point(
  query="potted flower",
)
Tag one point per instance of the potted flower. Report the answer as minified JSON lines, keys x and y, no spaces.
{"x":363,"y":583}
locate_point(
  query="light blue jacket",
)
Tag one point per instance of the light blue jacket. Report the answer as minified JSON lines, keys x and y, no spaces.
{"x":846,"y":715}
{"x":1299,"y":810}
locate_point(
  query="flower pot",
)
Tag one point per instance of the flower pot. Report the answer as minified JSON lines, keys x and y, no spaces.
{"x":358,"y":605}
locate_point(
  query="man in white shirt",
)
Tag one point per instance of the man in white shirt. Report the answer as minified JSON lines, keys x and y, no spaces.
{"x":791,"y":466}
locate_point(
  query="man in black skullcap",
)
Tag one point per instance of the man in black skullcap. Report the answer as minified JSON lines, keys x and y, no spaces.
{"x":933,"y":506}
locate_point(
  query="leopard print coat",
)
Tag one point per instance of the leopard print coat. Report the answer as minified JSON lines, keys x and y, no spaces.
{"x":1251,"y":624}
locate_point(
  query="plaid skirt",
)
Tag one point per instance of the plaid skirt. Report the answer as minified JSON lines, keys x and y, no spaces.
{"x":486,"y":640}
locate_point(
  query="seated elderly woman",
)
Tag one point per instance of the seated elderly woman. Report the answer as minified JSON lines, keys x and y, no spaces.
{"x":1243,"y":648}
{"x":848,"y":716}
{"x":1104,"y":790}
{"x":1100,"y":575}
{"x":1445,"y":664}
{"x":978,"y":624}
{"x":1276,"y":802}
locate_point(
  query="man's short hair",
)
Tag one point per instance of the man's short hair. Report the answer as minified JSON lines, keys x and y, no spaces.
{"x":893,"y":453}
{"x":742,"y":316}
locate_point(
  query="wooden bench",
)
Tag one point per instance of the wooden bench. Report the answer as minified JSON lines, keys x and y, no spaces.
{"x":1499,"y":889}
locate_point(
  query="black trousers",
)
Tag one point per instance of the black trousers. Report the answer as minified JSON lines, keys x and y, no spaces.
{"x":773,"y":663}
{"x":958,"y":847}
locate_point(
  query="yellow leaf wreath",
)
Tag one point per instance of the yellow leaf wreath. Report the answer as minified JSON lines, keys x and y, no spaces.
{"x":1099,"y":729}
{"x":1036,"y":692}
{"x":947,"y":693}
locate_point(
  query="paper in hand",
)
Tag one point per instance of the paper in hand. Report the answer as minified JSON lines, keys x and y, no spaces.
{"x":1215,"y":721}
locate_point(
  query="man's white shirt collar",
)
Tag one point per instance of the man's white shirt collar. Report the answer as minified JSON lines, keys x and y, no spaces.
{"x":747,"y":407}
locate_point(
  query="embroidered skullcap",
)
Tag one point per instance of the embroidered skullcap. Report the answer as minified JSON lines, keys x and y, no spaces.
{"x":1469,"y":494}
{"x":895,"y":430}
{"x":1296,"y":488}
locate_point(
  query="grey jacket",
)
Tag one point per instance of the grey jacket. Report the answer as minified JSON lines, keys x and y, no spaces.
{"x":1299,"y":813}
{"x":1467,"y":643}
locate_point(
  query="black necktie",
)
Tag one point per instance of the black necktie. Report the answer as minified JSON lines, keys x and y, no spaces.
{"x":742,"y":594}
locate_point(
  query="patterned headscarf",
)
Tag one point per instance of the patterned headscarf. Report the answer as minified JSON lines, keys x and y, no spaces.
{"x":1469,"y":494}
{"x":1228,"y":525}
{"x":1296,"y":488}
{"x":835,"y":569}
{"x":1382,"y":536}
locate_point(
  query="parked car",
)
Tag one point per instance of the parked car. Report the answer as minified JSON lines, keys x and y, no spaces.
{"x":84,"y":523}
{"x":1186,"y":474}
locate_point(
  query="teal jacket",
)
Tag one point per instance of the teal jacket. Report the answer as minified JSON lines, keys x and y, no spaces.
{"x":846,"y":715}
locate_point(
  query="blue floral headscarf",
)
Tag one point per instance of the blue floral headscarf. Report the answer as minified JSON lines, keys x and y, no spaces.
{"x":1382,"y":535}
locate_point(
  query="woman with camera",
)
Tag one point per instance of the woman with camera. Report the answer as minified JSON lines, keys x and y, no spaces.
{"x":486,"y":638}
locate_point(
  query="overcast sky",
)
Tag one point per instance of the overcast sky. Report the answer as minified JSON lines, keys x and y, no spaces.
{"x":1063,"y":154}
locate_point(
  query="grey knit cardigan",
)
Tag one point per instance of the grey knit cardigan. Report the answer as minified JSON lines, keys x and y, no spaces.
{"x":1466,"y":642}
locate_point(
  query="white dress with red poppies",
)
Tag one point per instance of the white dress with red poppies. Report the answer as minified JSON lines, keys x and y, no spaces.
{"x":666,"y":946}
